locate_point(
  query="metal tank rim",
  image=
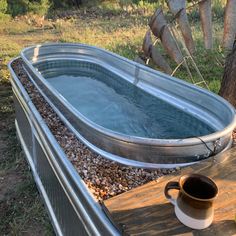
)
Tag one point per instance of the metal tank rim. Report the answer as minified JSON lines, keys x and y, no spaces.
{"x":131,"y":139}
{"x":70,"y":180}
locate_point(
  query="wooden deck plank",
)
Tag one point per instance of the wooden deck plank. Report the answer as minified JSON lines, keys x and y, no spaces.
{"x":145,"y":210}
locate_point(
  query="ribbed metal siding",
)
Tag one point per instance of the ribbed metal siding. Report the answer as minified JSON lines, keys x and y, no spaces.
{"x":65,"y":214}
{"x":71,"y":207}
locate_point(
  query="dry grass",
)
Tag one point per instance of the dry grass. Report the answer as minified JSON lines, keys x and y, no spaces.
{"x":110,"y":28}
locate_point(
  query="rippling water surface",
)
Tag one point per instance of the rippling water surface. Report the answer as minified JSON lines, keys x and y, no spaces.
{"x":119,"y":106}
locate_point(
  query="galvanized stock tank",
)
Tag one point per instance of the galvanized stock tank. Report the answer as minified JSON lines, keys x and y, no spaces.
{"x":148,"y":119}
{"x":72,"y":208}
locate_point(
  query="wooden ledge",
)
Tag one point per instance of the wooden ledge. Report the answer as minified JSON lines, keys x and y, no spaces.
{"x":145,"y":210}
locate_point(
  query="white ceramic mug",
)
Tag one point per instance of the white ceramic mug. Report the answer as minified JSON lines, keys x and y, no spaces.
{"x":194,"y":204}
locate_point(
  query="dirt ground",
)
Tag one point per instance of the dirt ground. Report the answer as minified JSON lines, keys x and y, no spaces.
{"x":21,"y":209}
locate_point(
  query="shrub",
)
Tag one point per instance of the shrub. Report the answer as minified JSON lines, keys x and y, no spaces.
{"x":21,"y":7}
{"x":39,"y":8}
{"x":67,"y":3}
{"x":3,"y":6}
{"x":17,"y":7}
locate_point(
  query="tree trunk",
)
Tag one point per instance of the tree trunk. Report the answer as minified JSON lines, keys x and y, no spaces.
{"x":228,"y":85}
{"x":229,"y":24}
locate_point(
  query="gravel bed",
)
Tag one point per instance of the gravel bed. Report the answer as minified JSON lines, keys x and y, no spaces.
{"x":103,"y":177}
{"x":234,"y":138}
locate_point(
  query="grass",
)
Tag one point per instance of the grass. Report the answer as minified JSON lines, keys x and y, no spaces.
{"x":21,"y":209}
{"x":112,"y":28}
{"x":107,"y":26}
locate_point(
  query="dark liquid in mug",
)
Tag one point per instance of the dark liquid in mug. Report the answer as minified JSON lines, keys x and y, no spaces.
{"x":199,"y":188}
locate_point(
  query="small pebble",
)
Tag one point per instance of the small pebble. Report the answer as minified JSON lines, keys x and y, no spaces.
{"x":103,"y":177}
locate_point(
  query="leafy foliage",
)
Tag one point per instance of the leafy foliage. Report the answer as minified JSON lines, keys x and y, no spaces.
{"x":21,"y":7}
{"x":3,"y":6}
{"x":39,"y":7}
{"x":17,"y":7}
{"x":66,"y":3}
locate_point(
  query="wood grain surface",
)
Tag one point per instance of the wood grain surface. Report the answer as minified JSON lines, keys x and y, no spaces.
{"x":146,"y":211}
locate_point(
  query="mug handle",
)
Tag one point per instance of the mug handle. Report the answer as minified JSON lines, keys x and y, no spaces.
{"x":171,"y":185}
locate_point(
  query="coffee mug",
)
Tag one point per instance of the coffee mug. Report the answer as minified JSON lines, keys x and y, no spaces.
{"x":194,"y":204}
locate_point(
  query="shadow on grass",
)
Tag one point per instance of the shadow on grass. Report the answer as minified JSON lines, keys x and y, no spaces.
{"x":21,"y":209}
